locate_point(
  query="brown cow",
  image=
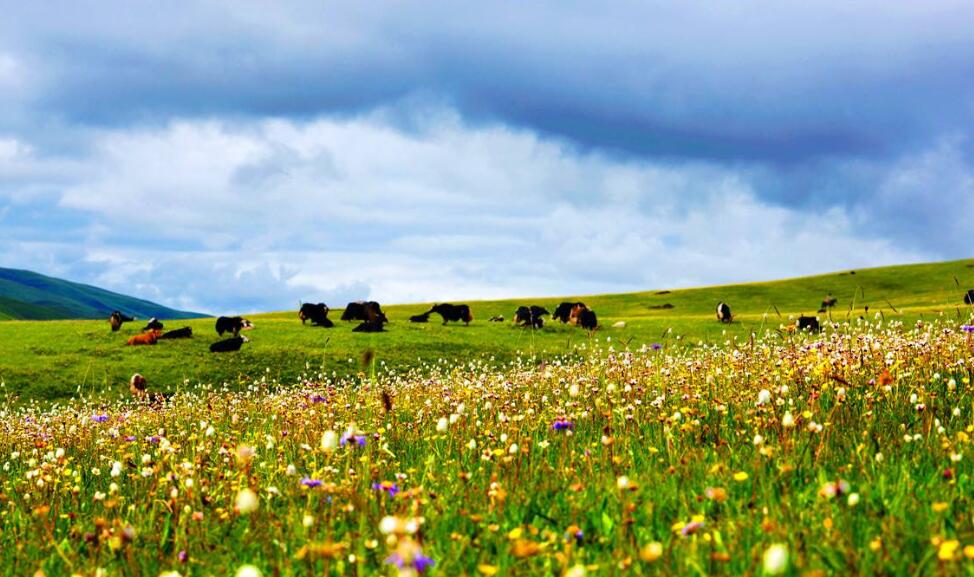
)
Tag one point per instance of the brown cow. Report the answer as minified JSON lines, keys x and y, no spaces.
{"x":146,"y":338}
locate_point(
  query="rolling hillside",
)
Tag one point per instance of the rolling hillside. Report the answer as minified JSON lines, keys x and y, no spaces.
{"x":57,"y":359}
{"x":27,"y":295}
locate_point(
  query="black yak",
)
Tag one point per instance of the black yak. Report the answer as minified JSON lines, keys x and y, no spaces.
{"x":586,"y":319}
{"x":364,"y":311}
{"x":373,"y":326}
{"x":724,"y":313}
{"x":454,"y":313}
{"x":423,"y":318}
{"x":317,"y":314}
{"x":117,"y":318}
{"x":154,"y":324}
{"x":183,"y":333}
{"x":969,"y":297}
{"x":828,"y":302}
{"x":563,"y":311}
{"x":232,"y":325}
{"x":808,"y":324}
{"x":228,"y":345}
{"x":530,"y":316}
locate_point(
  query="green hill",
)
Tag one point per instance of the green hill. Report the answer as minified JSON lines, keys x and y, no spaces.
{"x":28,"y":295}
{"x":56,"y":359}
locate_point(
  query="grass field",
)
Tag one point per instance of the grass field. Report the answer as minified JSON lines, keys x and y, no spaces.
{"x":847,"y":453}
{"x":53,"y":360}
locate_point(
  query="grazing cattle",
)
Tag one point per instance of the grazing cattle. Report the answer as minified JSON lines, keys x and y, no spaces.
{"x":724,"y":313}
{"x":183,"y":333}
{"x":496,"y":319}
{"x":563,"y":312}
{"x":317,"y":314}
{"x":153,"y":325}
{"x":969,"y":297}
{"x":828,"y":302}
{"x":228,"y":345}
{"x":364,"y":311}
{"x":146,"y":338}
{"x":423,"y":318}
{"x":117,"y":318}
{"x":454,"y":313}
{"x":586,"y":319}
{"x":232,"y":325}
{"x":530,"y":316}
{"x":138,"y":386}
{"x":619,"y":325}
{"x":808,"y":324}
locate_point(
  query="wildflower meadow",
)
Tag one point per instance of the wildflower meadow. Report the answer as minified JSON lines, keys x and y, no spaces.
{"x":843,"y":453}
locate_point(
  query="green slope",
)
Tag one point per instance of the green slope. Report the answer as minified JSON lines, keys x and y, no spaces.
{"x":31,"y":296}
{"x":53,"y":359}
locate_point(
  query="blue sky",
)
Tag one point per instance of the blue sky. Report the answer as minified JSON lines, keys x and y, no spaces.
{"x":242,"y":156}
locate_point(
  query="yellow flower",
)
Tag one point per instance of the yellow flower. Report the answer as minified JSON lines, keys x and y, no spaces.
{"x":947,"y":550}
{"x":651,"y":552}
{"x":740,"y":476}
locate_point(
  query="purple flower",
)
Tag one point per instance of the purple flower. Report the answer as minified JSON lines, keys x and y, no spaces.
{"x":420,"y":562}
{"x":357,"y":439}
{"x":967,"y":328}
{"x":317,"y":399}
{"x":309,"y":482}
{"x":153,"y":439}
{"x":562,"y":424}
{"x":99,"y":418}
{"x":656,"y":346}
{"x":391,"y":488}
{"x":183,"y":556}
{"x":130,"y":438}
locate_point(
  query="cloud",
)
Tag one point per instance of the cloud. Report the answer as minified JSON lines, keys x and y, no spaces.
{"x":259,"y":215}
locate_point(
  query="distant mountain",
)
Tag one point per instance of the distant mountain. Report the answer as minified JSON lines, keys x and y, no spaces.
{"x":28,"y":295}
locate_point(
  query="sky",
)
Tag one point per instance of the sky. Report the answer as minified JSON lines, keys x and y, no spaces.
{"x":232,"y":157}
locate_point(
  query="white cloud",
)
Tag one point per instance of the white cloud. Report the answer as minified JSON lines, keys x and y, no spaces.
{"x":240,"y":217}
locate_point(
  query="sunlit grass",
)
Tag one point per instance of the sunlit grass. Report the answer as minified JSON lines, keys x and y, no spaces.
{"x":845,"y":453}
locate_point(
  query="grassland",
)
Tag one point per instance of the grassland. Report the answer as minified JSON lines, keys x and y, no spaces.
{"x":846,"y":453}
{"x":53,"y":360}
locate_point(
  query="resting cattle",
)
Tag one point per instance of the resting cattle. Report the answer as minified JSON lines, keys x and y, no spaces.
{"x":183,"y":333}
{"x":586,"y":319}
{"x":969,"y":297}
{"x":317,"y":314}
{"x":232,"y":325}
{"x":153,"y":325}
{"x":496,"y":319}
{"x":724,"y":313}
{"x":138,"y":386}
{"x":146,"y":338}
{"x":807,"y":324}
{"x":117,"y":318}
{"x":454,"y":313}
{"x":563,"y":312}
{"x":530,"y":316}
{"x":423,"y":318}
{"x":228,"y":345}
{"x":373,"y":326}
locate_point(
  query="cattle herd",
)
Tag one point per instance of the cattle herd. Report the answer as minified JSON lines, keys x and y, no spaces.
{"x":371,"y":319}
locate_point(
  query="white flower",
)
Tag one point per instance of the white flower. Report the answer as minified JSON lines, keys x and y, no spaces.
{"x":788,"y":420}
{"x":329,"y":441}
{"x":442,"y":425}
{"x":853,"y":499}
{"x":758,"y":440}
{"x":247,"y":502}
{"x":248,"y":571}
{"x":776,"y":559}
{"x":764,"y":397}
